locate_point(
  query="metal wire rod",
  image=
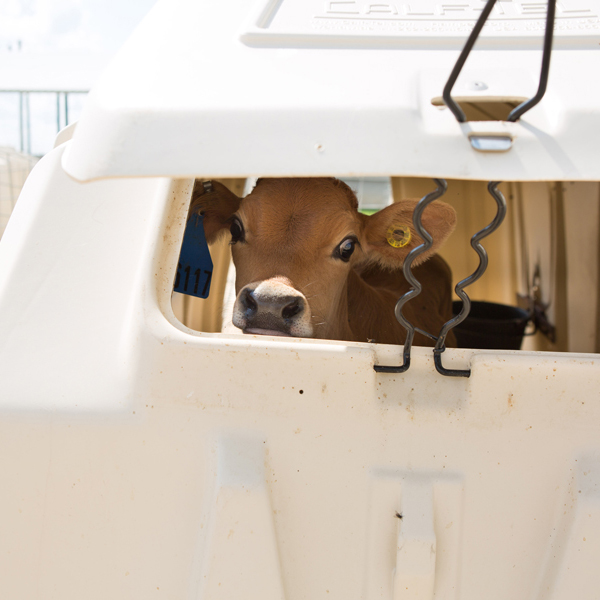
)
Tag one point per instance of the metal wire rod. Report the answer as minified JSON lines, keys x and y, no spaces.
{"x":517,"y":112}
{"x":416,"y":288}
{"x":446,"y":95}
{"x":459,"y":289}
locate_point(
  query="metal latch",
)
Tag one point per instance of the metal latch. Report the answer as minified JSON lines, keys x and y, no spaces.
{"x":491,"y":143}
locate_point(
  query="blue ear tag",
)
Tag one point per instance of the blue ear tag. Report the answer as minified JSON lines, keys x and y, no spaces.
{"x":195,"y":267}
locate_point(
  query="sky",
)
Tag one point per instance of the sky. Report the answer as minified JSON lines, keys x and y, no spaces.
{"x":95,"y":26}
{"x":37,"y":33}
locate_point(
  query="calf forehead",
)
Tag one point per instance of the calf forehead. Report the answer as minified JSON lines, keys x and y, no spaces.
{"x":299,"y":212}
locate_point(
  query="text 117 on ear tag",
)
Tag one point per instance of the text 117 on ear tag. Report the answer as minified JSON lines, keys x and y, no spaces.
{"x":195,"y":267}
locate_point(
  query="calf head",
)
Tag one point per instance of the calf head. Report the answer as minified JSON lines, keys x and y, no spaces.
{"x":295,"y":242}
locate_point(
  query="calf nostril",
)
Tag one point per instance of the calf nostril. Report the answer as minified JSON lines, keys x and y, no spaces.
{"x":248,"y":302}
{"x":292,"y":309}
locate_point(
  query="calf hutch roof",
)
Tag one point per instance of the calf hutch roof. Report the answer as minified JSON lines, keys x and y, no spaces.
{"x":341,"y":87}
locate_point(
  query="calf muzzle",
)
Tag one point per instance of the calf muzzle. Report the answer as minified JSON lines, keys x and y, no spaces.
{"x":272,"y":307}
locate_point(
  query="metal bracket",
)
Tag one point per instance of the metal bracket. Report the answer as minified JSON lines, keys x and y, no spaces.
{"x":491,"y":143}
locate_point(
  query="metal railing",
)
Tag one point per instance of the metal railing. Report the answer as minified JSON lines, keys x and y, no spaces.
{"x":62,"y":111}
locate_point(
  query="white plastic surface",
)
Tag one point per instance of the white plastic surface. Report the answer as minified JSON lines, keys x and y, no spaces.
{"x":65,"y":134}
{"x":402,"y":24}
{"x":139,"y":459}
{"x":214,"y":88}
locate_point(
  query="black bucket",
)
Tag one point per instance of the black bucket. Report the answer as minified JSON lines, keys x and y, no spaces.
{"x":491,"y":326}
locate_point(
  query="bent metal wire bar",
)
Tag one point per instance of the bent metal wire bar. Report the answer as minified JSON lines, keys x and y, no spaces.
{"x":518,"y":111}
{"x":514,"y":115}
{"x":416,"y":288}
{"x":440,"y":190}
{"x":459,"y":289}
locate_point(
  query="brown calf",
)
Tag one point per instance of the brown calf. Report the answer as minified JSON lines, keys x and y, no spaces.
{"x":308,"y":264}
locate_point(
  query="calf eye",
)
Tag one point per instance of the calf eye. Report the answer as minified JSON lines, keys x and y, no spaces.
{"x":237,"y":231}
{"x":345,"y":249}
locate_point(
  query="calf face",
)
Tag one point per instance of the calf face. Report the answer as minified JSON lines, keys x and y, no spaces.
{"x":295,"y":242}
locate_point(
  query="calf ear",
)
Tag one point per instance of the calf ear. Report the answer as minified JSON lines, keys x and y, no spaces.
{"x":216,"y":203}
{"x":390,"y":234}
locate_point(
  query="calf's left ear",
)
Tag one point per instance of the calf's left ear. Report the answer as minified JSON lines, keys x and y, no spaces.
{"x":217,"y":205}
{"x":390,"y":234}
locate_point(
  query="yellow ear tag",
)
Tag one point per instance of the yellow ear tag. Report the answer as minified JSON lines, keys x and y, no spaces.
{"x":398,"y":236}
